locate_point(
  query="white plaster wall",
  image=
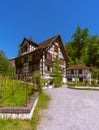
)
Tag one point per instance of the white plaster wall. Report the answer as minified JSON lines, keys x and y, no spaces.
{"x":64,"y":80}
{"x":75,"y":79}
{"x":32,"y":48}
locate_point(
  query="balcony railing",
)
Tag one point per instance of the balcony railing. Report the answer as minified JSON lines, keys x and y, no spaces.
{"x":76,"y":75}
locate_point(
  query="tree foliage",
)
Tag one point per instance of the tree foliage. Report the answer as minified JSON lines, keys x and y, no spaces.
{"x":56,"y":73}
{"x":95,"y":73}
{"x":37,"y":80}
{"x":93,"y":51}
{"x":5,"y":68}
{"x":4,"y":64}
{"x":83,"y":48}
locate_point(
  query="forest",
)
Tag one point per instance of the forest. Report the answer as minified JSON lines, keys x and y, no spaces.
{"x":83,"y":48}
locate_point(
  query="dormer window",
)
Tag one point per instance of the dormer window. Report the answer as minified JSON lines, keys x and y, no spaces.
{"x":24,"y":48}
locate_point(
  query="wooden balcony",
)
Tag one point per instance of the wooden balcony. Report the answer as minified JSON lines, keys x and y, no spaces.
{"x":76,"y":75}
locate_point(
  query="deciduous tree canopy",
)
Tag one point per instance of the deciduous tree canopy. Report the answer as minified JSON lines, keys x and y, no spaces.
{"x":83,"y":48}
{"x":4,"y":65}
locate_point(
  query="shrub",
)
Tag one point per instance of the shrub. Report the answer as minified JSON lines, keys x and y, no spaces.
{"x":94,"y":82}
{"x":70,"y":83}
{"x":37,"y":80}
{"x":80,"y":83}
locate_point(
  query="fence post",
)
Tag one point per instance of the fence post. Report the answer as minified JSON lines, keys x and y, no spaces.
{"x":12,"y":87}
{"x":26,"y":84}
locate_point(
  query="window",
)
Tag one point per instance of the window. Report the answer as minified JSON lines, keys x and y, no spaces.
{"x":56,"y":48}
{"x":25,"y":48}
{"x":72,"y":72}
{"x":48,"y":56}
{"x":80,"y":71}
{"x":81,"y":79}
{"x":69,"y":79}
{"x":48,"y":68}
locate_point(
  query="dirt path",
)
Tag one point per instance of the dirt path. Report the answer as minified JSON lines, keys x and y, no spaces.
{"x":71,"y":110}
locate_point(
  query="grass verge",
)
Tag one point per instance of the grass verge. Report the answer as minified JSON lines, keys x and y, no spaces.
{"x":87,"y":89}
{"x":42,"y":104}
{"x":73,"y":87}
{"x":11,"y":124}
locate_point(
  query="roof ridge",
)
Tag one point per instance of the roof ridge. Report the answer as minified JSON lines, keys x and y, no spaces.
{"x":78,"y":66}
{"x":49,"y":38}
{"x":29,"y":40}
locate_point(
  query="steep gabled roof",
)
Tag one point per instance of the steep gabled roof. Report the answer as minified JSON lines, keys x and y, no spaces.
{"x":51,"y":40}
{"x":62,"y":48}
{"x":79,"y":67}
{"x":29,"y":41}
{"x":45,"y":43}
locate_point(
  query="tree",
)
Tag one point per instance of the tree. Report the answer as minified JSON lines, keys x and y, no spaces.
{"x":5,"y":68}
{"x":78,"y":47}
{"x":56,"y":73}
{"x":4,"y":63}
{"x":95,"y":73}
{"x":11,"y":71}
{"x":93,"y":51}
{"x":37,"y":80}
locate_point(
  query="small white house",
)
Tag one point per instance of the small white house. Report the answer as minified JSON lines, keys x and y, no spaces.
{"x":78,"y":72}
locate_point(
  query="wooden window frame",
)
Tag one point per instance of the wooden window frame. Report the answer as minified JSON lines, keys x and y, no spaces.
{"x":48,"y":56}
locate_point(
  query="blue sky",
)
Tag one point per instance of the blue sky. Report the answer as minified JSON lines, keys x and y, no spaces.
{"x":42,"y":19}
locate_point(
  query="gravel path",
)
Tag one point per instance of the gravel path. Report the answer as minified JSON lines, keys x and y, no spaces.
{"x":71,"y":109}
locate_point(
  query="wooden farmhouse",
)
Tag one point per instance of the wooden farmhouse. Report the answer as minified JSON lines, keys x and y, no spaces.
{"x":78,"y":72}
{"x":33,"y":56}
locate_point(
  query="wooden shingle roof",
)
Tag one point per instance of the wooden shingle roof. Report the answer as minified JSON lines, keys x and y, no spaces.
{"x":46,"y":43}
{"x":51,"y":40}
{"x":29,"y":41}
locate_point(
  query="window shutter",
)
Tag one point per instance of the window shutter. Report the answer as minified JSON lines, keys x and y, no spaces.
{"x":56,"y":48}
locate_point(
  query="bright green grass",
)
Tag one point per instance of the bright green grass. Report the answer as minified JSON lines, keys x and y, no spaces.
{"x":13,"y":93}
{"x":87,"y":89}
{"x":42,"y":104}
{"x":10,"y":124}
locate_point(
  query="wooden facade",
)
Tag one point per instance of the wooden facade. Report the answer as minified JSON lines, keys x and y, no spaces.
{"x":33,"y":56}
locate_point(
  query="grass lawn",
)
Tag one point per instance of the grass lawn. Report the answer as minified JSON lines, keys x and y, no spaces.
{"x":13,"y":93}
{"x":10,"y":124}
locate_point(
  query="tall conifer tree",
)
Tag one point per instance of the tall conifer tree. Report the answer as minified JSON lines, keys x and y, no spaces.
{"x":56,"y":73}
